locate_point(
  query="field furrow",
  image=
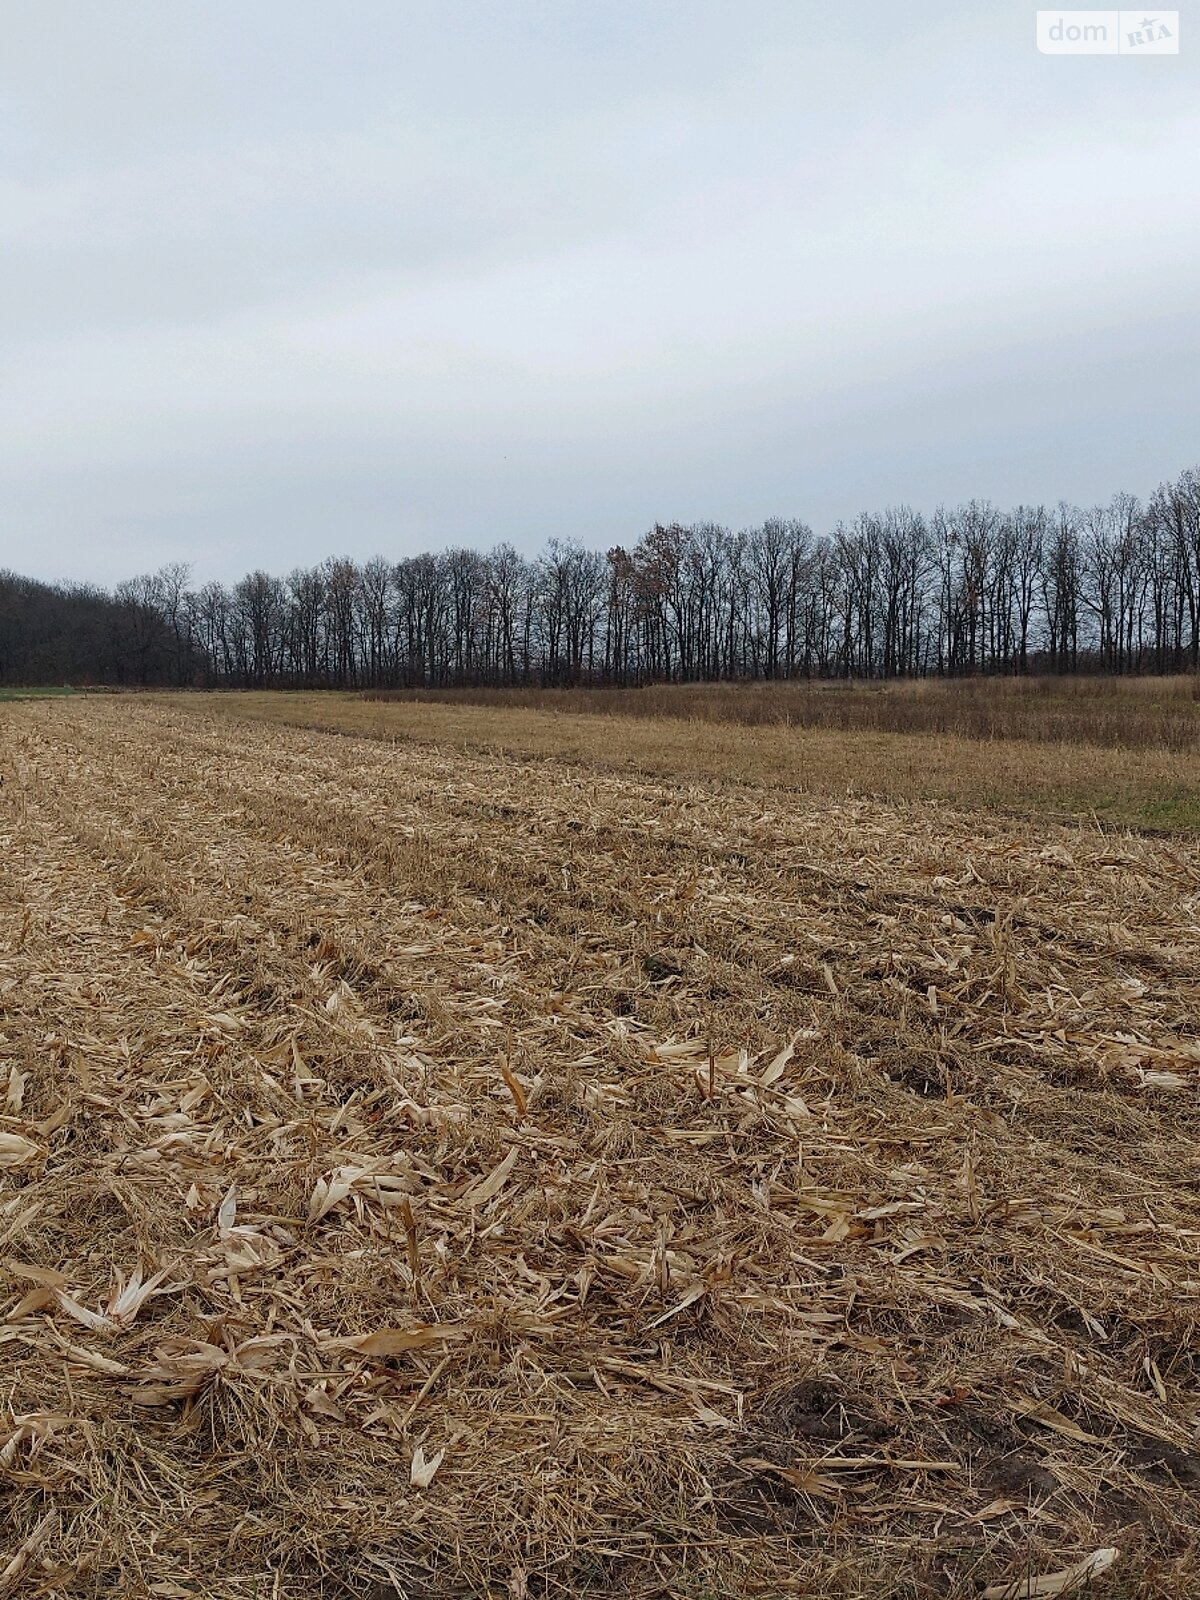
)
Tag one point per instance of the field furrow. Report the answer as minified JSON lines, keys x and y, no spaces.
{"x":430,"y":1171}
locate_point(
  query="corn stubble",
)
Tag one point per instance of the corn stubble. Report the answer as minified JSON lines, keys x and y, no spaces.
{"x":432,"y":1173}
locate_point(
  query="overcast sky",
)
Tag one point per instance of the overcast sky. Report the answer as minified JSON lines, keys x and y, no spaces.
{"x":283,"y":280}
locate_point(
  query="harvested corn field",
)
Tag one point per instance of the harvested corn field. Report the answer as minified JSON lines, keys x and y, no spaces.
{"x":436,"y":1173}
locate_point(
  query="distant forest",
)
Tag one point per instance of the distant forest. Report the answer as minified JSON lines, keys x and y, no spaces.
{"x":970,"y":590}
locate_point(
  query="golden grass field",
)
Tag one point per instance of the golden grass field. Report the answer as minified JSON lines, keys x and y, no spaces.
{"x":1078,"y":754}
{"x":448,"y":1151}
{"x":1119,"y":712}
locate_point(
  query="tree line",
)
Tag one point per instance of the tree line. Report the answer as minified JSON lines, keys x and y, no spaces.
{"x":969,"y":589}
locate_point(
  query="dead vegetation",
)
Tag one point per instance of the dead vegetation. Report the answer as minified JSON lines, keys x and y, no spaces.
{"x":432,"y":1173}
{"x":1134,"y":783}
{"x":1116,"y":713}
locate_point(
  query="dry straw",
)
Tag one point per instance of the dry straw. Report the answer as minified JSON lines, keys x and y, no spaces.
{"x":426,"y":1173}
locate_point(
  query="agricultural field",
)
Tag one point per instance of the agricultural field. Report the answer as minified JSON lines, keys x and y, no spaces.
{"x":1150,"y":713}
{"x":31,"y":694}
{"x":450,"y":1150}
{"x":1117,"y":750}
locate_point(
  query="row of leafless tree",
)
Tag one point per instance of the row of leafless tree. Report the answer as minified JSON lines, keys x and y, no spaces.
{"x":974,"y":589}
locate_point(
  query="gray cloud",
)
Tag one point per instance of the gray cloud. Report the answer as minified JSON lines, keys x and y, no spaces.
{"x":278,"y":282}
